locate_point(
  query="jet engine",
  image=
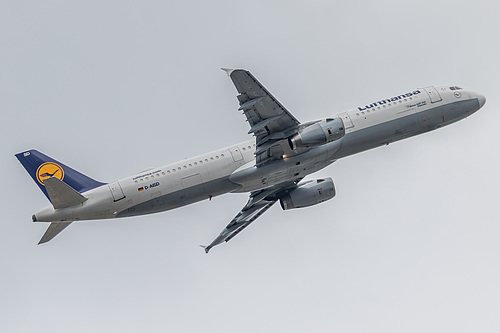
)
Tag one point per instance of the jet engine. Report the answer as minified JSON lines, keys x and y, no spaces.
{"x":318,"y":134}
{"x":308,"y":194}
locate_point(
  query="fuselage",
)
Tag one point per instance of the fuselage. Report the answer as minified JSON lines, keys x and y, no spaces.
{"x":233,"y":169}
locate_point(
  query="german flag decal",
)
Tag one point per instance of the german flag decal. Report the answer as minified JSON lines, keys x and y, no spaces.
{"x":140,"y":189}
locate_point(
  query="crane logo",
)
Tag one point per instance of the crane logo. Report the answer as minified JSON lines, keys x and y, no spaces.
{"x":48,"y":170}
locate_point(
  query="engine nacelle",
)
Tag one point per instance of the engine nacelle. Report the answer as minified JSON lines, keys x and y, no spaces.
{"x":318,"y":134}
{"x":308,"y":194}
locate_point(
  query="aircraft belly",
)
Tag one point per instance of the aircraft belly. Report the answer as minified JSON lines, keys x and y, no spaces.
{"x":377,"y":135}
{"x":252,"y":178}
{"x":401,"y":128}
{"x":179,"y":198}
{"x":446,"y":114}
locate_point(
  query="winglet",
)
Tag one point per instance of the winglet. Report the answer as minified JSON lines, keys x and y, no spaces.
{"x":228,"y":71}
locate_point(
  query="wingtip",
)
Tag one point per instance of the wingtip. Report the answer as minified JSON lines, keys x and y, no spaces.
{"x":43,"y":240}
{"x":227,"y":70}
{"x":206,"y":248}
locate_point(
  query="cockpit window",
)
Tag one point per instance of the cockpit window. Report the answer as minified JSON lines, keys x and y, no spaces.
{"x":455,"y":88}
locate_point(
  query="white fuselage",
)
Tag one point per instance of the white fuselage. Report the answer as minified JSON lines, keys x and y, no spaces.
{"x":232,"y":169}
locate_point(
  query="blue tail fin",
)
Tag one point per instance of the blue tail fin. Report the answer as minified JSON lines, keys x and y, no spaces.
{"x":41,"y":167}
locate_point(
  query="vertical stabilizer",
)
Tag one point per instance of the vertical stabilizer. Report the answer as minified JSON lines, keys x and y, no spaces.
{"x":42,"y":167}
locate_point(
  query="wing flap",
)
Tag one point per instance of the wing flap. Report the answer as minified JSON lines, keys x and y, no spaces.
{"x":251,"y":102}
{"x":261,"y":125}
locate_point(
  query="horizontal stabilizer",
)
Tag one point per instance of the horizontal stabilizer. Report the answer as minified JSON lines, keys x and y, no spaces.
{"x":61,"y":194}
{"x":53,"y":230}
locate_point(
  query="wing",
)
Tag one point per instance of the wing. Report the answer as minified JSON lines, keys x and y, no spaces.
{"x":270,"y":122}
{"x":257,"y":204}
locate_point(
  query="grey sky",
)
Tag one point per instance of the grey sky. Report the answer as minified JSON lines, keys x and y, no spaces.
{"x":410,"y":243}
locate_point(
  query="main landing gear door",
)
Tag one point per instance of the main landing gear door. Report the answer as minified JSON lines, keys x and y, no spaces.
{"x":433,"y":94}
{"x":116,"y":191}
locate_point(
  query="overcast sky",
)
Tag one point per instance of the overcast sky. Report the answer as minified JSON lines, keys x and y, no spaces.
{"x":409,"y":244}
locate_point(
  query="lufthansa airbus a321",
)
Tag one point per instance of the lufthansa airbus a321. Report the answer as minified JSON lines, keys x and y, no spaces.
{"x":271,"y":167}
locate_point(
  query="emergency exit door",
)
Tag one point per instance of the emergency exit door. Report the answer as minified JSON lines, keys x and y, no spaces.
{"x":116,"y":191}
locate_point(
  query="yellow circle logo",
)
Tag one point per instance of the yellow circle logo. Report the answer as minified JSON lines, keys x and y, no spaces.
{"x":47,"y":170}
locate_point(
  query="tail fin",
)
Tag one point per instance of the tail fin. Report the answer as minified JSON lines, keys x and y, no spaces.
{"x":41,"y":167}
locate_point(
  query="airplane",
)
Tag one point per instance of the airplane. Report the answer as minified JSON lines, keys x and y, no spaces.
{"x":271,"y":167}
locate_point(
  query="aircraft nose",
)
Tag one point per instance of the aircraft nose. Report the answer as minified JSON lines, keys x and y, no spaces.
{"x":481,"y":100}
